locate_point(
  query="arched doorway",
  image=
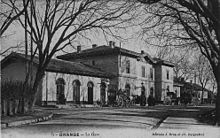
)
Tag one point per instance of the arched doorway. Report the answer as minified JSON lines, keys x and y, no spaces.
{"x":103,"y":92}
{"x":90,"y":86}
{"x":60,"y":83}
{"x":127,"y":89}
{"x":76,"y":91}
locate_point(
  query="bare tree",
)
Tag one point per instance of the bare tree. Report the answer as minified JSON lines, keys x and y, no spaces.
{"x":203,"y":72}
{"x":181,"y":58}
{"x":194,"y":23}
{"x":54,"y":24}
{"x":8,"y":13}
{"x":18,"y":47}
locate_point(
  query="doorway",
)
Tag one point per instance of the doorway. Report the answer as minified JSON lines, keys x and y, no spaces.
{"x":76,"y":91}
{"x":90,"y":92}
{"x":60,"y":83}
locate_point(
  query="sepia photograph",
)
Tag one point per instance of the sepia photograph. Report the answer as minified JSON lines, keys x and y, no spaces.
{"x":110,"y":68}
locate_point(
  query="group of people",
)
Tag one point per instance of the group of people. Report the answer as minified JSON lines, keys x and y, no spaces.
{"x":150,"y":100}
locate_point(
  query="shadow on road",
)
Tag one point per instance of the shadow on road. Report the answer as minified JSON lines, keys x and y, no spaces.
{"x":198,"y":113}
{"x":207,"y":117}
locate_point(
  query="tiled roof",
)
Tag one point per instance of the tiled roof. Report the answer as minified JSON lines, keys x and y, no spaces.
{"x":61,"y":66}
{"x":107,"y":50}
{"x":100,"y":50}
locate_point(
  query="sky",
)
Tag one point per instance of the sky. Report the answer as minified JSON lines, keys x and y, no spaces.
{"x":15,"y":35}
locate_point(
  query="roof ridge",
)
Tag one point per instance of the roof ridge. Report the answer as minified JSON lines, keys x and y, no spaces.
{"x":63,"y":66}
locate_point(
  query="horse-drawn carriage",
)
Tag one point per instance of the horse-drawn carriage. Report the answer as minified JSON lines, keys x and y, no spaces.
{"x":171,"y":99}
{"x":121,"y":98}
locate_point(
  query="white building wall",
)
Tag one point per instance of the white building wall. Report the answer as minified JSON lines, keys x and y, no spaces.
{"x":122,"y":66}
{"x":135,"y":78}
{"x":49,"y":86}
{"x":147,"y":81}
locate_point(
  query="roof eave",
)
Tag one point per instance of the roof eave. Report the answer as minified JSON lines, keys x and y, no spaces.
{"x":78,"y":73}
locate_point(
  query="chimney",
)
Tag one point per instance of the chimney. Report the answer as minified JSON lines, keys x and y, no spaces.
{"x":94,"y":45}
{"x":78,"y":49}
{"x":112,"y":44}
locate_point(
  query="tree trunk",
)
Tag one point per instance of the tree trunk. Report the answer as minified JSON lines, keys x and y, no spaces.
{"x":217,"y":106}
{"x":218,"y":102}
{"x":202,"y":95}
{"x":35,"y":91}
{"x":214,"y":6}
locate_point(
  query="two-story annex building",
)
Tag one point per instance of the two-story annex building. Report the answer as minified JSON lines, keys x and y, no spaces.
{"x":133,"y":71}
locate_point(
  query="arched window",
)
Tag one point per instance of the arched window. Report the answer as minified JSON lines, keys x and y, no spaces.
{"x":127,"y":89}
{"x":76,"y":91}
{"x":60,"y":82}
{"x":90,"y":86}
